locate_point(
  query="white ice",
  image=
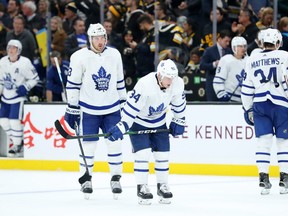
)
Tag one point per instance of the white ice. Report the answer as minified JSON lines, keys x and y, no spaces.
{"x":45,"y":193}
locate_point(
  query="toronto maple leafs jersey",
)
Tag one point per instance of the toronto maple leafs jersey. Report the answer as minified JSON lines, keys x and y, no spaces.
{"x":264,"y":78}
{"x":95,"y":82}
{"x":147,"y":104}
{"x":15,"y":74}
{"x":228,"y":77}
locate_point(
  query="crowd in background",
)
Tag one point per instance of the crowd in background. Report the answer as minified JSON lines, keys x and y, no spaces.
{"x":184,"y":31}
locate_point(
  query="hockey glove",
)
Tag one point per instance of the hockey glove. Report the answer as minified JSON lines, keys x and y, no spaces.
{"x":21,"y":91}
{"x":117,"y":131}
{"x":224,"y":98}
{"x":72,"y":115}
{"x":177,"y":126}
{"x":248,"y":116}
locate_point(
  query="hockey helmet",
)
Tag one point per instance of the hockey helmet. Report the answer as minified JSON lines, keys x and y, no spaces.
{"x":167,"y":68}
{"x":238,"y":41}
{"x":272,"y":36}
{"x":15,"y":43}
{"x":96,"y":30}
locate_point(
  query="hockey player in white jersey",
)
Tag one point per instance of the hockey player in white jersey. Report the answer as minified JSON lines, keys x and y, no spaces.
{"x":230,"y":70}
{"x":95,"y":91}
{"x":17,"y":77}
{"x":265,"y":103}
{"x":146,"y":108}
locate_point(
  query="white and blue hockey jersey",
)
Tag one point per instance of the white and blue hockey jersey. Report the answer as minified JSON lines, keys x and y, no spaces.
{"x":14,"y":74}
{"x":228,"y":77}
{"x":147,"y":104}
{"x":264,"y":79}
{"x":95,"y":82}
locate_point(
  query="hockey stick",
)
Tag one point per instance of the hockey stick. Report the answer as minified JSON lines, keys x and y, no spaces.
{"x":86,"y":176}
{"x":64,"y":134}
{"x":64,"y":94}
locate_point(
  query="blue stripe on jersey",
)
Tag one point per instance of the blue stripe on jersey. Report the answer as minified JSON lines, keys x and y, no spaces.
{"x":114,"y":155}
{"x":158,"y":169}
{"x":128,"y":114}
{"x":120,"y":81}
{"x":220,"y":78}
{"x":77,"y":88}
{"x":88,"y":157}
{"x":141,"y":170}
{"x":88,"y":106}
{"x":178,"y":105}
{"x":17,"y":96}
{"x":180,"y":111}
{"x":153,"y":120}
{"x":121,"y":88}
{"x":262,"y":161}
{"x":247,"y":94}
{"x":77,"y":84}
{"x":132,"y":107}
{"x":251,"y":87}
{"x":280,"y":153}
{"x":262,"y":153}
{"x":276,"y":97}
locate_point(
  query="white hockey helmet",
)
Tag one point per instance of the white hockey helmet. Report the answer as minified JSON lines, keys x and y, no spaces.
{"x":238,"y":41}
{"x":15,"y":43}
{"x":272,"y":36}
{"x":96,"y":30}
{"x":167,"y":68}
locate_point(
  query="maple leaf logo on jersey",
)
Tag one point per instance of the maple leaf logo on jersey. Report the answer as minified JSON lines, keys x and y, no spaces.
{"x":241,"y":77}
{"x":8,"y":82}
{"x":156,"y":111}
{"x":101,"y":80}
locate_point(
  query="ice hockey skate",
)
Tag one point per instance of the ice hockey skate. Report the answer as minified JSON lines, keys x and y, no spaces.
{"x":264,"y":183}
{"x":116,"y":186}
{"x":16,"y":151}
{"x":87,"y":189}
{"x":144,"y":195}
{"x":283,"y":183}
{"x":164,"y":194}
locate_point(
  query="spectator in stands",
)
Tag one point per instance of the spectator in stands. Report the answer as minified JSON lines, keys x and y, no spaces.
{"x":76,"y":40}
{"x":255,"y":6}
{"x":70,"y":17}
{"x":43,"y":8}
{"x":222,"y":23}
{"x":13,"y":8}
{"x":115,"y":14}
{"x":245,"y":27}
{"x":34,"y":22}
{"x":58,"y":35}
{"x":210,"y":59}
{"x":129,"y":58}
{"x":191,"y":35}
{"x":266,"y":20}
{"x":283,"y":28}
{"x":91,"y":9}
{"x":54,"y":85}
{"x":113,"y":39}
{"x":131,"y":19}
{"x":191,"y":9}
{"x":29,"y":46}
{"x":146,"y":48}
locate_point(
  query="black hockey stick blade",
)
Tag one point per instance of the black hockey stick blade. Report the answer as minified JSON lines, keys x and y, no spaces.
{"x":64,"y":134}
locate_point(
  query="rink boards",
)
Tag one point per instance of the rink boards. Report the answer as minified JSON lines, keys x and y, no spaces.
{"x":217,"y":141}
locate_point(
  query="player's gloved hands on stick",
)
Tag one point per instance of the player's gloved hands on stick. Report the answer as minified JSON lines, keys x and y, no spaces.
{"x":117,"y":131}
{"x":72,"y":114}
{"x":22,"y":91}
{"x":177,"y":126}
{"x":248,"y":116}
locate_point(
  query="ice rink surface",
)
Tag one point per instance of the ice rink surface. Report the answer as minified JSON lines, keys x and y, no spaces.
{"x":39,"y":193}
